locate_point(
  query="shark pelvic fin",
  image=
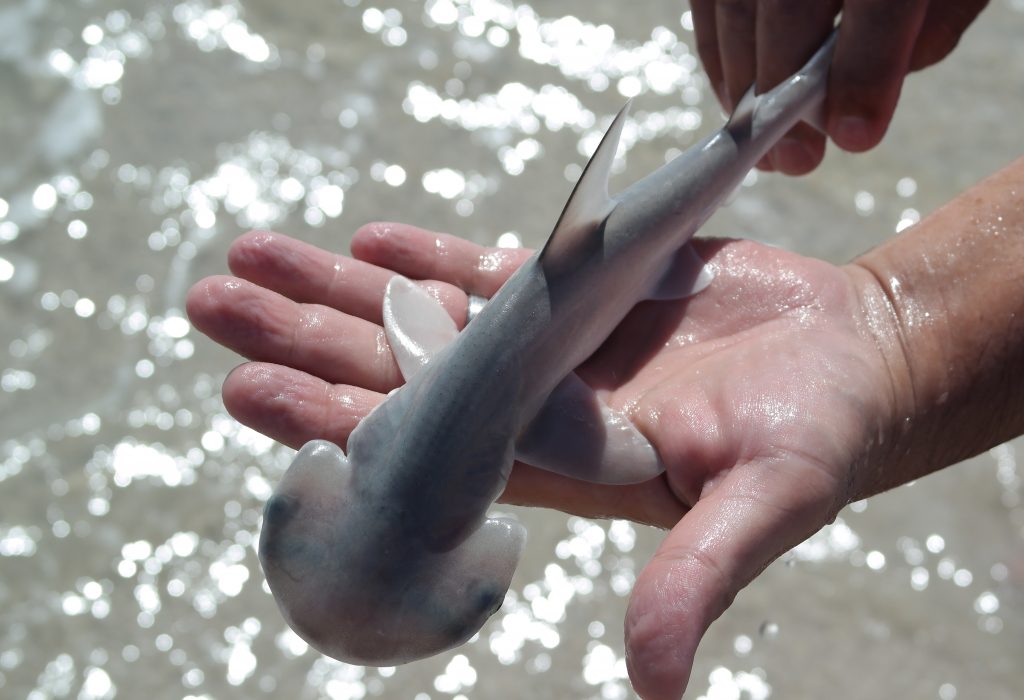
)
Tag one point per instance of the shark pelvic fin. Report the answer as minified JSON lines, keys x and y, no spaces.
{"x":578,"y":435}
{"x":743,"y":113}
{"x":416,"y":325}
{"x":589,"y":204}
{"x":687,"y":274}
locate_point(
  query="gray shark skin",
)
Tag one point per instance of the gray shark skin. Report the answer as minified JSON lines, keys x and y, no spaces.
{"x":386,"y":554}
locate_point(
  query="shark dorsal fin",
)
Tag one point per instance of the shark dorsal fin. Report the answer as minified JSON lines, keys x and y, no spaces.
{"x":589,"y":204}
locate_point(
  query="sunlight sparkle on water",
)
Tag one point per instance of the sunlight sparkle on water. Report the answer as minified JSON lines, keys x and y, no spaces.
{"x":221,"y":28}
{"x":6,"y":270}
{"x":724,"y":684}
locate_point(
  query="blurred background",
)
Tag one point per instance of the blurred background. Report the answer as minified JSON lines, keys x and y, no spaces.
{"x":139,"y":137}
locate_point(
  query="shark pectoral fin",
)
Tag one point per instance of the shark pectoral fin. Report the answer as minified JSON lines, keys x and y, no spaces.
{"x":589,"y":204}
{"x":416,"y":325}
{"x":577,"y":435}
{"x":686,"y":275}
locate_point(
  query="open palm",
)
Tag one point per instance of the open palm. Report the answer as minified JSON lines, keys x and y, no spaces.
{"x":762,"y":394}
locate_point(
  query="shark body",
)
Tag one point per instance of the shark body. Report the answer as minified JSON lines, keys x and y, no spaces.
{"x":386,"y":554}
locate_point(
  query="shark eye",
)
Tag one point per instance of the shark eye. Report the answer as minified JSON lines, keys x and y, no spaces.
{"x":292,"y":550}
{"x":488,"y":598}
{"x":279,"y":511}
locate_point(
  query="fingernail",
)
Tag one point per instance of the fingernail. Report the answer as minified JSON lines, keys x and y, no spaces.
{"x":852,"y":133}
{"x":792,"y":156}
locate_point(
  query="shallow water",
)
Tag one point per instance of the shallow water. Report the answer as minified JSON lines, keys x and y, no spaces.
{"x":138,"y":138}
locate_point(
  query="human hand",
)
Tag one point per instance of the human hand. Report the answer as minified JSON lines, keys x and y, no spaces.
{"x":761,"y":394}
{"x":743,"y":42}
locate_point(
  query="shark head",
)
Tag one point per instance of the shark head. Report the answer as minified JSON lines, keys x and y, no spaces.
{"x":354,"y":583}
{"x":300,"y":548}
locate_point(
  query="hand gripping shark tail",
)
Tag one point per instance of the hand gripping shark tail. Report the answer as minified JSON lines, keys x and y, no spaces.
{"x":386,"y":554}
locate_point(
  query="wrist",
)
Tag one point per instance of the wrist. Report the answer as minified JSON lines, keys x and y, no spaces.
{"x":896,"y":419}
{"x":944,"y":304}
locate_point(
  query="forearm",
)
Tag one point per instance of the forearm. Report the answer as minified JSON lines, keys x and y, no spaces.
{"x":944,"y":302}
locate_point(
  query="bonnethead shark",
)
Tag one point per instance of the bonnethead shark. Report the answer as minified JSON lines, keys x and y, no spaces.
{"x":386,"y":554}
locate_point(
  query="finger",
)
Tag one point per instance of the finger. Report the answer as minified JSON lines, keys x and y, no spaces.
{"x":420,"y":254}
{"x":799,"y":152}
{"x":788,"y":33}
{"x":872,"y":57}
{"x":703,"y":12}
{"x":943,"y":26}
{"x":650,"y":503}
{"x":294,"y":407}
{"x":311,"y":275}
{"x":757,"y":512}
{"x":735,"y":21}
{"x":263,"y":325}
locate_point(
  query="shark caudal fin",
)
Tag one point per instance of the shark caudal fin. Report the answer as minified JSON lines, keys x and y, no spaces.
{"x":589,"y":204}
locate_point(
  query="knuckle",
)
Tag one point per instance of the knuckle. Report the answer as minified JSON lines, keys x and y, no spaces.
{"x":308,"y":327}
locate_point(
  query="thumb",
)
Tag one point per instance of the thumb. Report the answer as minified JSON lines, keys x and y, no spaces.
{"x":758,"y":511}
